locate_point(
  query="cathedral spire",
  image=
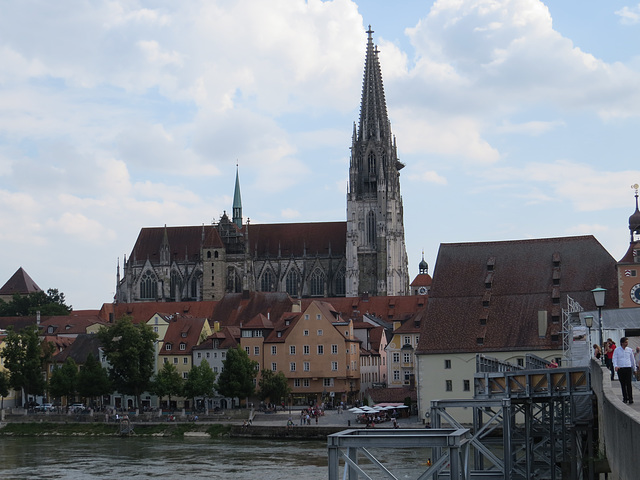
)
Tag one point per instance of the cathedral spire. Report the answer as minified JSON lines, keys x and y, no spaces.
{"x":374,"y":121}
{"x":237,"y":202}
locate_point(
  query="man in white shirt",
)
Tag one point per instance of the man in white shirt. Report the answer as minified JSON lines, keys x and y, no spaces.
{"x":624,"y":363}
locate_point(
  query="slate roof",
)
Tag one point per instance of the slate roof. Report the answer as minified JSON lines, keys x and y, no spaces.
{"x":20,"y":283}
{"x":80,"y":349}
{"x":185,"y":242}
{"x":504,"y":285}
{"x":298,"y":239}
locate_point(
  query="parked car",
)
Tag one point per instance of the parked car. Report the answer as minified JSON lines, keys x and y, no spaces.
{"x":46,"y":407}
{"x":77,"y":408}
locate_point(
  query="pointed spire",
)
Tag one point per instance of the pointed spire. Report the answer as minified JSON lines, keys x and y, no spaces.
{"x":374,"y":121}
{"x":237,"y":202}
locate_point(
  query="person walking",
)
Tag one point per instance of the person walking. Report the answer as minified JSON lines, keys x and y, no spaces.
{"x":624,"y":363}
{"x":609,"y":348}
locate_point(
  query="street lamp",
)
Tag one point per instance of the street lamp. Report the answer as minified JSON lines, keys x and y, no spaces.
{"x":598,"y":298}
{"x":588,"y":321}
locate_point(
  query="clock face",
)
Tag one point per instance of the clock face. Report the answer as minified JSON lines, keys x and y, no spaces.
{"x":423,"y":291}
{"x":635,"y":293}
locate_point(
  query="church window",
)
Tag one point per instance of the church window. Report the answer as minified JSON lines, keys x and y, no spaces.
{"x":372,"y":164}
{"x":384,"y":161}
{"x":215,"y":254}
{"x":194,"y":287}
{"x":234,"y":285}
{"x":176,"y":285}
{"x":317,"y":283}
{"x":292,"y":282}
{"x":371,"y":228}
{"x":148,"y":285}
{"x":266,"y":282}
{"x":208,"y":253}
{"x":341,"y":285}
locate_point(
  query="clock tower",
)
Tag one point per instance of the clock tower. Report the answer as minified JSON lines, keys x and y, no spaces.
{"x":629,"y":266}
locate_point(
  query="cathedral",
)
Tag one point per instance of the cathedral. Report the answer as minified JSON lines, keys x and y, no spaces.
{"x":366,"y":254}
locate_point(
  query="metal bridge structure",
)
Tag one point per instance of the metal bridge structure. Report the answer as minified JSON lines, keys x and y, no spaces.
{"x":529,"y":422}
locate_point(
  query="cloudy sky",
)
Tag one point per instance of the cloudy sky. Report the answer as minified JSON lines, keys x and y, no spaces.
{"x":515,"y":119}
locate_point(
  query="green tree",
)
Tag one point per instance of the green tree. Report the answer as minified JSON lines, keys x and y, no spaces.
{"x":236,"y":379}
{"x":50,"y":303}
{"x":200,"y":382}
{"x":273,"y":386}
{"x":167,"y":382}
{"x":129,"y":349}
{"x":23,"y":358}
{"x":4,"y":388}
{"x":64,"y":381}
{"x":93,"y":379}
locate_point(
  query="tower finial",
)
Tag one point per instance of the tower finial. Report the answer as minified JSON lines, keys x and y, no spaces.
{"x":635,"y":186}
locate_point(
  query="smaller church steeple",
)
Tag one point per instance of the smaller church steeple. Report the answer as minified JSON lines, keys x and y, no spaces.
{"x":237,"y":202}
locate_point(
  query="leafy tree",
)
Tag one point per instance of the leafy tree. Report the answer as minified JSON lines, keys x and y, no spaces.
{"x":200,"y":382}
{"x":129,"y":349}
{"x":236,"y":380}
{"x":23,"y":358}
{"x":50,"y":303}
{"x":4,"y":388}
{"x":64,"y":381}
{"x":273,"y":386}
{"x":167,"y":382}
{"x":93,"y":379}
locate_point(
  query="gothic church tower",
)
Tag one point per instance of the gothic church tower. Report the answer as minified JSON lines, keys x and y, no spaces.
{"x":376,"y":253}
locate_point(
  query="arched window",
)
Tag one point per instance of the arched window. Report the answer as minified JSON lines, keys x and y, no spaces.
{"x":234,"y":284}
{"x":341,"y":286}
{"x":148,"y":285}
{"x":371,"y":229}
{"x":194,"y":287}
{"x":176,"y":285}
{"x":372,"y":164}
{"x":317,"y":283}
{"x":266,"y":282}
{"x":292,"y":282}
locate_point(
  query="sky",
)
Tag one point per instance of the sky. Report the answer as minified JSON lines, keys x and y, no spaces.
{"x":516,"y":119}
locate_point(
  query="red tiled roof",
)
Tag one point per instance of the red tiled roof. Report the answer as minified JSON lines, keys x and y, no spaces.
{"x":461,"y":317}
{"x":182,"y":330}
{"x":388,"y":308}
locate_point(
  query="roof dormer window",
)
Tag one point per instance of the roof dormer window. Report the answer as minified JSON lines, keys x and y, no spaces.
{"x":167,"y":347}
{"x":183,"y":346}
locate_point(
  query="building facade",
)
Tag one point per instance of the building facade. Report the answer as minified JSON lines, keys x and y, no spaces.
{"x":364,"y":254}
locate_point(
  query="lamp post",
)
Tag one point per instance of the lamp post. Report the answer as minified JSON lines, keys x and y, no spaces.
{"x":588,"y":321}
{"x":598,"y":298}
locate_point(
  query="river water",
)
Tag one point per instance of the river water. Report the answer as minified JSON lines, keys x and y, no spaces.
{"x":85,"y":457}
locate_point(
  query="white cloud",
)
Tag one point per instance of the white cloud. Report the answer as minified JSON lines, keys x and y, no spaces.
{"x":629,"y":15}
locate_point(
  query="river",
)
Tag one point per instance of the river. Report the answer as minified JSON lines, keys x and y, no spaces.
{"x":86,"y":457}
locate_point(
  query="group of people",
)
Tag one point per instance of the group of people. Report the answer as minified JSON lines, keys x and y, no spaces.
{"x":622,"y":361}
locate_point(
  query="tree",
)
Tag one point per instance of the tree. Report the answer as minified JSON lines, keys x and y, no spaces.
{"x":4,"y":388}
{"x":167,"y":382}
{"x":93,"y":379}
{"x":23,"y":358}
{"x":200,"y":382}
{"x":236,"y":379}
{"x":50,"y":303}
{"x":129,"y":349}
{"x":273,"y":386}
{"x":64,"y":381}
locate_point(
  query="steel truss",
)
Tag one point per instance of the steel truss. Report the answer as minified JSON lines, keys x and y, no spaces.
{"x":349,"y":445}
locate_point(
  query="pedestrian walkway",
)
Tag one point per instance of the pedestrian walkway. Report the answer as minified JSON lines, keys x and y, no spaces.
{"x":331,"y":418}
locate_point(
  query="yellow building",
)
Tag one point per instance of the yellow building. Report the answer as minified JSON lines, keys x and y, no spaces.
{"x":315,"y":349}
